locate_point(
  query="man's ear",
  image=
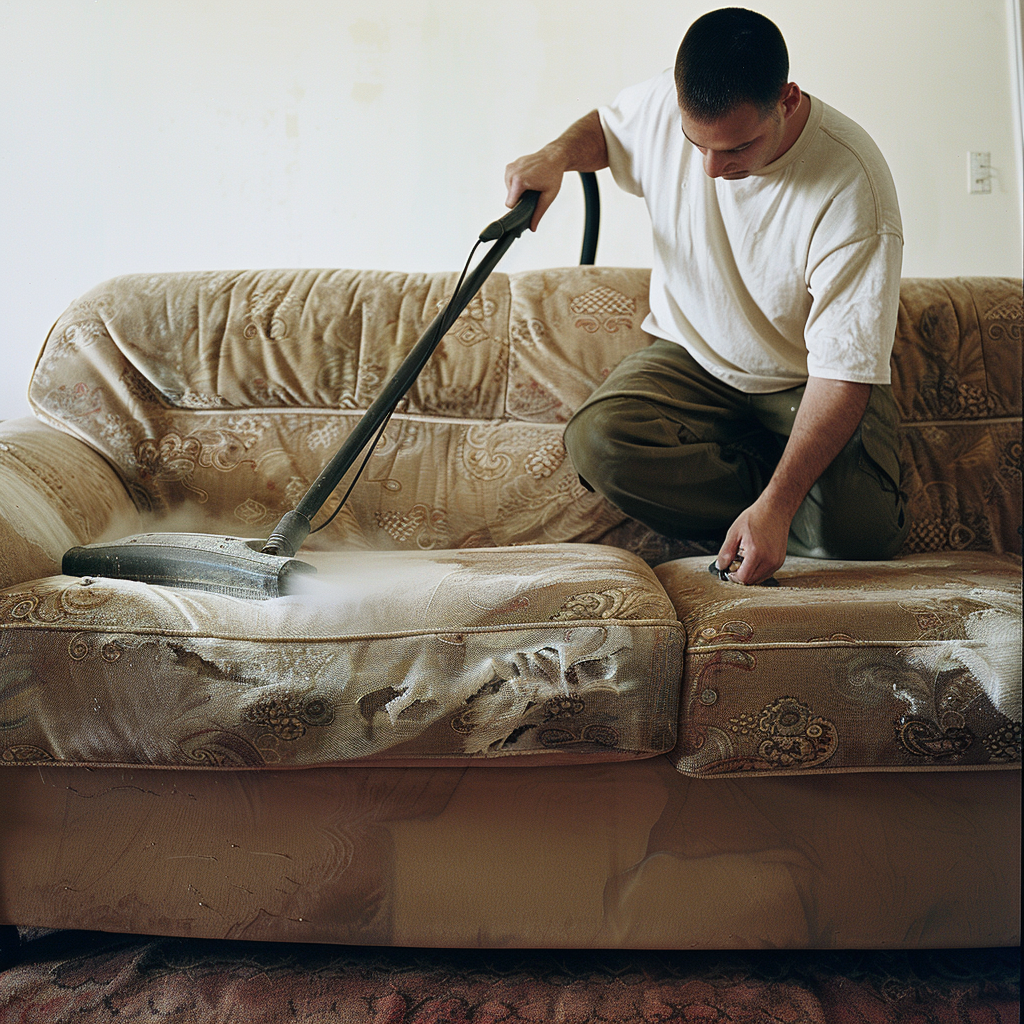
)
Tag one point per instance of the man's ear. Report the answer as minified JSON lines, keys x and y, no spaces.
{"x":790,"y":99}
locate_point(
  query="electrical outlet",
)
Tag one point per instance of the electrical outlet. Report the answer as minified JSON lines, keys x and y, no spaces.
{"x":979,"y":172}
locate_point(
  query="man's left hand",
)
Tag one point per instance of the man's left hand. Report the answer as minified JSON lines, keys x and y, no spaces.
{"x":757,"y":540}
{"x":828,"y":415}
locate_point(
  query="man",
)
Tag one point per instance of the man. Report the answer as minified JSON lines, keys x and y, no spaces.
{"x":762,"y":407}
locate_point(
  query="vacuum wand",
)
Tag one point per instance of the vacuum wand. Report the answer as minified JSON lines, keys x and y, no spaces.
{"x":252,"y":569}
{"x":515,"y":222}
{"x":290,"y":533}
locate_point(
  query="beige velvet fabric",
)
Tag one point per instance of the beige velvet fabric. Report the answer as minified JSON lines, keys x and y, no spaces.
{"x":914,"y":663}
{"x":219,"y":396}
{"x":552,"y":652}
{"x":623,"y":856}
{"x":55,"y":492}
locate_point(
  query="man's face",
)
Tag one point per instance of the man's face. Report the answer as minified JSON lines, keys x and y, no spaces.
{"x":739,"y":143}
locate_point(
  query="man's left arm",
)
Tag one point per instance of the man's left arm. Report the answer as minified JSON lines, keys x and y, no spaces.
{"x":829,"y":413}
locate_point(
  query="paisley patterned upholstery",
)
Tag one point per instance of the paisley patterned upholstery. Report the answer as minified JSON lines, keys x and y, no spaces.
{"x":210,"y":402}
{"x":957,"y":379}
{"x":549,"y":653}
{"x":913,"y":663}
{"x":220,"y":396}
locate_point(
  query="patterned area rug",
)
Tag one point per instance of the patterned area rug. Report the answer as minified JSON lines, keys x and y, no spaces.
{"x":90,"y":976}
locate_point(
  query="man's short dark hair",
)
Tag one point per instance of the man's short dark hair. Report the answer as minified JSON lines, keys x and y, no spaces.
{"x":728,"y":57}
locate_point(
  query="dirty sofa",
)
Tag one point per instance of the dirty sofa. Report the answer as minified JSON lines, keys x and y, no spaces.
{"x":502,"y":713}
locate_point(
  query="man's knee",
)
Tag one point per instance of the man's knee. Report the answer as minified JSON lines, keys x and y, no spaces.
{"x":855,"y":540}
{"x":596,"y":448}
{"x":868,"y":525}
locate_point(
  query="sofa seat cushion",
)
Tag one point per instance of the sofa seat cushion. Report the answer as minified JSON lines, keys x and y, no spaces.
{"x":553,"y":653}
{"x":851,"y":666}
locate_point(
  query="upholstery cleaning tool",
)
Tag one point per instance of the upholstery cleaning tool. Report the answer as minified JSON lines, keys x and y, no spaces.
{"x":256,"y":569}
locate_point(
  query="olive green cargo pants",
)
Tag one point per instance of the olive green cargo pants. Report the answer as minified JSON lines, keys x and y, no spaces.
{"x":685,"y":454}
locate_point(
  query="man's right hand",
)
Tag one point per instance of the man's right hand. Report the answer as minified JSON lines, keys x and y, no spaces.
{"x":581,"y":147}
{"x":541,"y":172}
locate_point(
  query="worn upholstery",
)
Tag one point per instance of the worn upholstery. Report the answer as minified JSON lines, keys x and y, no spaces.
{"x":957,"y":378}
{"x":549,"y":652}
{"x":56,"y":492}
{"x":629,"y":855}
{"x":485,"y":623}
{"x":913,"y":663}
{"x":217,"y":398}
{"x":220,"y":396}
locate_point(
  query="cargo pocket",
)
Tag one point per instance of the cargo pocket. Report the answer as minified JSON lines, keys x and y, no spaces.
{"x":880,"y":456}
{"x":879,"y":444}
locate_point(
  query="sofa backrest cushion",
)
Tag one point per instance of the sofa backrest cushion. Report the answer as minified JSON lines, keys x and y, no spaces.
{"x":220,"y":396}
{"x":957,"y":378}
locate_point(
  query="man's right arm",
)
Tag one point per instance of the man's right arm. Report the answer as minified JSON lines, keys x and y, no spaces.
{"x":581,"y":147}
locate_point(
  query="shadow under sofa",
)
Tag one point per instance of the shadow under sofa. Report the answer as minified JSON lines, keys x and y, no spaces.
{"x":504,"y":714}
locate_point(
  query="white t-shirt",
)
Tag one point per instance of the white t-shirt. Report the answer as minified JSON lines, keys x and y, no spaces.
{"x":792,"y":271}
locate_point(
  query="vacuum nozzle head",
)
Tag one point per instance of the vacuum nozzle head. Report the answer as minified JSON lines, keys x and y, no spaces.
{"x":196,"y":561}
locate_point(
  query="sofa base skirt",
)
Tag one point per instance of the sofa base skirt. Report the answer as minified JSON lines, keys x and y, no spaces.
{"x":627,"y":855}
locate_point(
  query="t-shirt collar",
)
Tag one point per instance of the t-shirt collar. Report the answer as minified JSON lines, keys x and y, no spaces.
{"x":800,"y":146}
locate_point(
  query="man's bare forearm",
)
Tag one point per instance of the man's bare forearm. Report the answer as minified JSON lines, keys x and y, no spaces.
{"x":581,"y":147}
{"x":828,"y":415}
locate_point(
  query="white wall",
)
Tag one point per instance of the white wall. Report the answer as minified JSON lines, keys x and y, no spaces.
{"x":150,"y":135}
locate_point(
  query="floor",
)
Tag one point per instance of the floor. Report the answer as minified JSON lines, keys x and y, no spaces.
{"x":61,"y":977}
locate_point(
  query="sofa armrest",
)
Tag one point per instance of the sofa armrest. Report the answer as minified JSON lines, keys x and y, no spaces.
{"x":56,"y":492}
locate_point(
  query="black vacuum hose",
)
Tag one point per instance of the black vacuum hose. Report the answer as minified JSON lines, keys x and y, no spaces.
{"x":592,"y":225}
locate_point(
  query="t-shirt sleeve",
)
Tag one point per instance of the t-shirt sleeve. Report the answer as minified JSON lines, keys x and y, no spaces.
{"x":855,"y":294}
{"x":625,"y":127}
